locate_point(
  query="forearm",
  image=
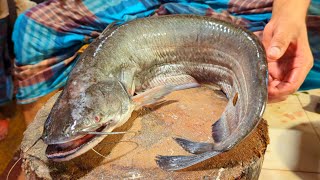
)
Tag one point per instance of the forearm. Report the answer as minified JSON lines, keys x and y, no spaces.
{"x":286,"y":42}
{"x":295,"y":10}
{"x":4,"y":11}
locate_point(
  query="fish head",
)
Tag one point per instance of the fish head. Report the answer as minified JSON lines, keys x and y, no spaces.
{"x":102,"y":106}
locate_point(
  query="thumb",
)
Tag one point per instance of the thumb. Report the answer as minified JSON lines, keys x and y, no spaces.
{"x":278,"y":45}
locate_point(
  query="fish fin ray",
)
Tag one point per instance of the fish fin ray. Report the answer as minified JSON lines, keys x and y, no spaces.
{"x":169,"y":79}
{"x":153,"y":95}
{"x":173,"y":163}
{"x":227,"y":124}
{"x":194,"y":147}
{"x":106,"y":133}
{"x":220,"y":130}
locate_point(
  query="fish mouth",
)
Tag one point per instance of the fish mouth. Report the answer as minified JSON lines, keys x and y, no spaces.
{"x":68,"y":150}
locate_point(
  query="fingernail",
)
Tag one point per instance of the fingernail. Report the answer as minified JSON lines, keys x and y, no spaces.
{"x":274,"y":52}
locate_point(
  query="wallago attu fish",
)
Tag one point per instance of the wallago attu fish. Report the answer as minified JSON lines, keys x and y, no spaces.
{"x":137,"y":63}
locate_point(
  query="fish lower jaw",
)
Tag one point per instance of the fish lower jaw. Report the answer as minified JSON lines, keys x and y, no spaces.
{"x":77,"y":151}
{"x":84,"y":146}
{"x":60,"y":157}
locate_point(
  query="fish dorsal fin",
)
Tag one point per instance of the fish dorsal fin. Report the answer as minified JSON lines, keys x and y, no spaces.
{"x":107,"y":31}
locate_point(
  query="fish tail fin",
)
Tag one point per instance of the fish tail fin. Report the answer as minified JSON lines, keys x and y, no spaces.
{"x":173,"y":163}
{"x":155,"y":94}
{"x":194,"y":147}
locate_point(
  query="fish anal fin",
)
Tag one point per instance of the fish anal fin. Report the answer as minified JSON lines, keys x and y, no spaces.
{"x":220,"y":130}
{"x":227,"y":124}
{"x":169,"y":79}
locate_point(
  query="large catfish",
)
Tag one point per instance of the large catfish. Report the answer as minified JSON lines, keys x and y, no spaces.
{"x":137,"y":63}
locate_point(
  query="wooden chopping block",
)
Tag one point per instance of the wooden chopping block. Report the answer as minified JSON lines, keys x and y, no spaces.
{"x":188,"y":114}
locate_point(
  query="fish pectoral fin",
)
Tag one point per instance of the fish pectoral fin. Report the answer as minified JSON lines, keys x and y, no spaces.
{"x":153,"y":95}
{"x":194,"y":147}
{"x":173,"y":163}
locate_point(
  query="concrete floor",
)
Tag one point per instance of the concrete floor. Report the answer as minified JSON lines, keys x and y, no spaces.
{"x":22,"y":115}
{"x":294,"y":131}
{"x":10,"y":146}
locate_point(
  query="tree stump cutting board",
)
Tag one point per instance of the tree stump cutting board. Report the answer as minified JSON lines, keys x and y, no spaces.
{"x":188,"y":114}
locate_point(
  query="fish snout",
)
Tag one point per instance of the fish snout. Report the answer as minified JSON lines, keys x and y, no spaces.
{"x":59,"y":138}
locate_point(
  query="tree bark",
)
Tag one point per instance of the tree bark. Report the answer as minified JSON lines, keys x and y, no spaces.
{"x":188,"y":114}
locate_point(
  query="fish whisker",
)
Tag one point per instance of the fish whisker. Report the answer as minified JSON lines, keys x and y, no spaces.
{"x":107,"y":133}
{"x":98,"y":153}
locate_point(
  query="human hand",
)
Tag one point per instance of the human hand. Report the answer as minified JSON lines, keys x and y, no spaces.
{"x":288,"y":51}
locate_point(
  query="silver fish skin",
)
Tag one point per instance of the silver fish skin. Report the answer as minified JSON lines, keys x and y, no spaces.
{"x":165,"y":52}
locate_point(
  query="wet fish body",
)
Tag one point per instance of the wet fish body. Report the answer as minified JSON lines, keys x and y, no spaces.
{"x":152,"y":57}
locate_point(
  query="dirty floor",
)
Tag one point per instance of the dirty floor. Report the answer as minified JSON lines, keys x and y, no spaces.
{"x":9,"y":147}
{"x":294,"y":130}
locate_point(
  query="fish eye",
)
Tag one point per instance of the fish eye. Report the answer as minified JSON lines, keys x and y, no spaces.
{"x":97,"y":118}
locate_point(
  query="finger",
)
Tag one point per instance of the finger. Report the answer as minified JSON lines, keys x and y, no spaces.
{"x":288,"y":86}
{"x":270,"y":79}
{"x":275,"y":95}
{"x":279,"y":44}
{"x":267,"y":35}
{"x":283,"y":89}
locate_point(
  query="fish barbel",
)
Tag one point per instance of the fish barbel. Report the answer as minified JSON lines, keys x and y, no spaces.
{"x":137,"y":63}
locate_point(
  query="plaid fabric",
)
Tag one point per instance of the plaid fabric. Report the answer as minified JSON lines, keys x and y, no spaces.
{"x":47,"y":37}
{"x":6,"y":87}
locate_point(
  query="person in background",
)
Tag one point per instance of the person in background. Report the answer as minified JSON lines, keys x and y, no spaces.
{"x":8,"y":14}
{"x":48,"y":38}
{"x":6,"y":87}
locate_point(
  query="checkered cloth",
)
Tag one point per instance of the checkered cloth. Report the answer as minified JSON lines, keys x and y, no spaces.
{"x":47,"y":37}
